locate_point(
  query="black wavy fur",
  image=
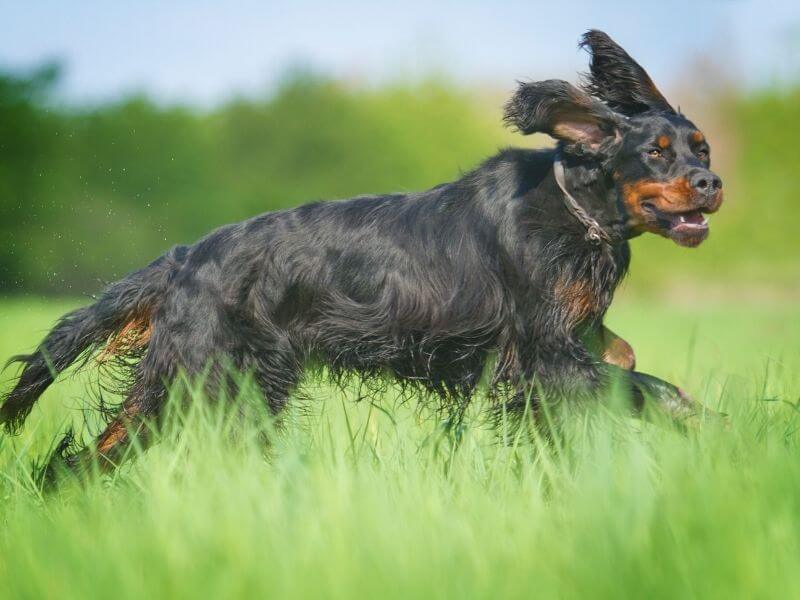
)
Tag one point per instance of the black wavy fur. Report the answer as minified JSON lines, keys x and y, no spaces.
{"x":425,"y":288}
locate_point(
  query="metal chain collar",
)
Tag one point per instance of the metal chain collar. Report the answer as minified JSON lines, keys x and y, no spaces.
{"x":594,"y":233}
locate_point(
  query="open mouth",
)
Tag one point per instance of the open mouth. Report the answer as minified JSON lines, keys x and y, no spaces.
{"x":687,"y":228}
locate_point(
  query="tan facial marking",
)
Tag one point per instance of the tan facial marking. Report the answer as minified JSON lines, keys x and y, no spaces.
{"x":663,"y":142}
{"x":697,"y":137}
{"x":668,"y":196}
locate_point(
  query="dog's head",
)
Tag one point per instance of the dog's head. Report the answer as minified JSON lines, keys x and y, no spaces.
{"x":658,"y":160}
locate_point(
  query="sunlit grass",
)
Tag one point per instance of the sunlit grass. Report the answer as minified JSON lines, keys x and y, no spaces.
{"x":374,"y":499}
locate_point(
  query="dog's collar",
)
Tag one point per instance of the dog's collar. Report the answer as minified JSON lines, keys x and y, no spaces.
{"x":594,"y":232}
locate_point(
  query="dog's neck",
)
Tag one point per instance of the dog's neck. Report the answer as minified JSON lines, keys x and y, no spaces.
{"x":593,"y":189}
{"x":590,"y":185}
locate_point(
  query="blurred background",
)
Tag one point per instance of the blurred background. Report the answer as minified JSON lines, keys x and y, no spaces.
{"x":126,"y":128}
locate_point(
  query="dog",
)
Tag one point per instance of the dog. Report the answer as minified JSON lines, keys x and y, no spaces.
{"x":513,"y":265}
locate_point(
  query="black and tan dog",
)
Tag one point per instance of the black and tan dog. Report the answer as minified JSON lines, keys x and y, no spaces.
{"x":518,"y":259}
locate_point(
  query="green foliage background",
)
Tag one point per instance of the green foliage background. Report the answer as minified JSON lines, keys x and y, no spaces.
{"x":96,"y":192}
{"x":90,"y":193}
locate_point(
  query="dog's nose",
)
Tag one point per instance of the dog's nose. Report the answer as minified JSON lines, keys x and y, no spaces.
{"x":706,"y":182}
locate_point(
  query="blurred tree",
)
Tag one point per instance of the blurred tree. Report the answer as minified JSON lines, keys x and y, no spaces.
{"x":90,"y":193}
{"x":25,"y":142}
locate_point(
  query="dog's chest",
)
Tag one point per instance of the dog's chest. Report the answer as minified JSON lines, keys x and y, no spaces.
{"x":578,"y":300}
{"x":584,"y":292}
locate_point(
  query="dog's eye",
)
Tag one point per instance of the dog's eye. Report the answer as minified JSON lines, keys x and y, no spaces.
{"x":655,"y":153}
{"x":702,"y":154}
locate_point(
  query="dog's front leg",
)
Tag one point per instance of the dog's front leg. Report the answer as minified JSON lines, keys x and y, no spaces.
{"x":671,"y":400}
{"x":648,"y":391}
{"x":653,"y":395}
{"x":570,"y":370}
{"x":649,"y":395}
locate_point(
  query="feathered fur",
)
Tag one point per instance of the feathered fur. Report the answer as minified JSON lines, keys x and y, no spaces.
{"x":425,"y":288}
{"x":618,"y":80}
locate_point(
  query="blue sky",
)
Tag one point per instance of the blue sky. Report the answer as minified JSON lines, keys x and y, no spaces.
{"x":204,"y":52}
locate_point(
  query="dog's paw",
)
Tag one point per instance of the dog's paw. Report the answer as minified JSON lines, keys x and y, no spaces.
{"x":666,"y":398}
{"x":676,"y":402}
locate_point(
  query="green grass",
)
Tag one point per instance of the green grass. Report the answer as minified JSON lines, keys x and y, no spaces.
{"x":372,"y":500}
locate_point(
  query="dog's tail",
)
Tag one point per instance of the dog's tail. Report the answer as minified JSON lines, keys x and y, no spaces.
{"x":118,"y":320}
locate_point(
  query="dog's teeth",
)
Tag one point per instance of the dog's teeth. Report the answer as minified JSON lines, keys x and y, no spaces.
{"x":683,"y":219}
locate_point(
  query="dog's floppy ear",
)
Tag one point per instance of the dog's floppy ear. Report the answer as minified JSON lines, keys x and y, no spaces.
{"x":617,"y":79}
{"x":562,"y":111}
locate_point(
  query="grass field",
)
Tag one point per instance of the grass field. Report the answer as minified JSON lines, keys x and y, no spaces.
{"x":371,"y":500}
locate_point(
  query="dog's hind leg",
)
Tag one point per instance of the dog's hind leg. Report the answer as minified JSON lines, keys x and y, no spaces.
{"x":132,"y":426}
{"x":173,"y":347}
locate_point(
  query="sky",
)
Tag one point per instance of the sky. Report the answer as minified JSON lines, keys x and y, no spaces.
{"x":204,"y":52}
